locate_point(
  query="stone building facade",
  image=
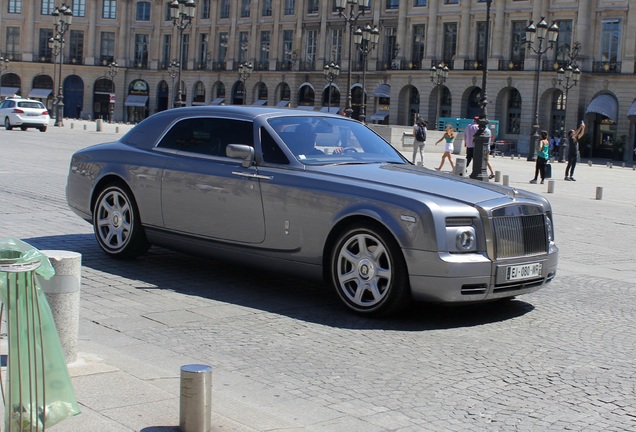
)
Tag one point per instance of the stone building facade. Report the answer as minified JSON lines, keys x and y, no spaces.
{"x":288,"y":43}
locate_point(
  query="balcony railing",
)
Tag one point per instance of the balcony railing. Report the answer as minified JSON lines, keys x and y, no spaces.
{"x":74,"y":60}
{"x":448,"y":63}
{"x":219,"y":66}
{"x":510,"y":65}
{"x":13,"y":56}
{"x":44,"y":59}
{"x":473,"y":64}
{"x":285,"y":65}
{"x":606,"y":67}
{"x":104,"y":60}
{"x":139,"y":64}
{"x":306,"y":65}
{"x":261,"y":66}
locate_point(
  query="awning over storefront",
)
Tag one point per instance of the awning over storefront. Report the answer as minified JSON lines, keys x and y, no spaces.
{"x":631,"y":114}
{"x":136,"y":101}
{"x":260,"y":102}
{"x":9,"y":91}
{"x":604,"y":105}
{"x":306,"y":107}
{"x":332,"y":110}
{"x":40,"y":93}
{"x":379,"y":116}
{"x":218,"y":101}
{"x":383,"y":90}
{"x":283,"y":104}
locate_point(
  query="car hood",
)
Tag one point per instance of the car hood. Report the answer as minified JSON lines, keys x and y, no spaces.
{"x":424,"y":180}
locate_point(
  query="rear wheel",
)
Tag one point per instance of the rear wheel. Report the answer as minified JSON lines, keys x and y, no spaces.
{"x":7,"y":124}
{"x":369,"y":272}
{"x":43,"y":129}
{"x":117,"y":224}
{"x":23,"y":128}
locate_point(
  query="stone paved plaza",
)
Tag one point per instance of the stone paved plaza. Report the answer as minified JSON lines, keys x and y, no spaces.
{"x":288,"y":357}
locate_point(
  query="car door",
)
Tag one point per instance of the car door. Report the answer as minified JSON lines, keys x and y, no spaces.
{"x":202,"y":192}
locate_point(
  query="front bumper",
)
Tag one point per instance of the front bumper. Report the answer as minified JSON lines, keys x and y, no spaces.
{"x":465,"y":278}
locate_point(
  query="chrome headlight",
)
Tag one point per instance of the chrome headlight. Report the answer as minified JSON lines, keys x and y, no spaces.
{"x":466,"y":240}
{"x":461,"y":235}
{"x":549,"y":228}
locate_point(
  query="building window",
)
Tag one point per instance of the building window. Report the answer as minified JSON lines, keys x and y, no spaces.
{"x":267,"y":8}
{"x":45,"y":53}
{"x":143,"y":11}
{"x":449,"y":48}
{"x":141,"y":50}
{"x":107,"y":48}
{"x":265,"y":40}
{"x":79,"y":8}
{"x":109,"y":10}
{"x":205,"y":9}
{"x":564,"y":43}
{"x":13,"y":40}
{"x":392,"y":4}
{"x":481,"y":41}
{"x":185,"y":50}
{"x":288,"y":44}
{"x":245,"y":8}
{"x":76,"y":47}
{"x":610,"y":40}
{"x":311,"y":39}
{"x":420,"y":3}
{"x":199,"y":93}
{"x":47,"y":7}
{"x":222,"y":51}
{"x":243,"y":45}
{"x":390,"y":41}
{"x":224,"y":10}
{"x":451,"y":1}
{"x":334,"y":51}
{"x":15,"y":7}
{"x":418,"y":45}
{"x":262,"y":91}
{"x":312,"y":6}
{"x":290,"y":6}
{"x":166,"y":50}
{"x":518,"y":41}
{"x":513,"y":123}
{"x":203,"y":51}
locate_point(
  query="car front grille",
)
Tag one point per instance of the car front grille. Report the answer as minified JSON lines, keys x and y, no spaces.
{"x":520,"y":235}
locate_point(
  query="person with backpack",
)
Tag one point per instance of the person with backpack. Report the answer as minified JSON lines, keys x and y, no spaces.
{"x":419,"y":132}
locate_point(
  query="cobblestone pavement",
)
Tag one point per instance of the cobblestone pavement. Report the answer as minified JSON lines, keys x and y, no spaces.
{"x":287,"y":356}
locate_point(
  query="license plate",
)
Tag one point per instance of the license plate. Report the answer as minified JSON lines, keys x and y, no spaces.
{"x":33,"y":115}
{"x":525,"y":271}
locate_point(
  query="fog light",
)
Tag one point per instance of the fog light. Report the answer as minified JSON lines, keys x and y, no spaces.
{"x":465,"y":240}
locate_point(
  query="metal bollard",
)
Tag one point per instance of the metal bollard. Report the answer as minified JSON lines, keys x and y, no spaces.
{"x":98,"y":125}
{"x":599,"y":193}
{"x":550,"y":186}
{"x":497,"y":176}
{"x":84,"y":127}
{"x":460,"y":167}
{"x":116,"y":129}
{"x":195,"y":405}
{"x":62,"y":292}
{"x":72,"y":125}
{"x":589,"y":163}
{"x":506,"y":180}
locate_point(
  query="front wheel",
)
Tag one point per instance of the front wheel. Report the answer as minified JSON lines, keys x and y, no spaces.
{"x":7,"y":124}
{"x":369,"y":272}
{"x":117,"y":224}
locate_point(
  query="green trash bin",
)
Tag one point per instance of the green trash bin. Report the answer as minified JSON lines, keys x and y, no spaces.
{"x":39,"y":392}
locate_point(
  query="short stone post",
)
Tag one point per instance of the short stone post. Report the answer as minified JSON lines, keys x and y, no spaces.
{"x":497,"y":176}
{"x":550,"y":186}
{"x":506,"y":180}
{"x":195,"y":404}
{"x":599,"y":193}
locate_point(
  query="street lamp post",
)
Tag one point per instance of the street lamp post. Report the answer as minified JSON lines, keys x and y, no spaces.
{"x":112,"y":71}
{"x":173,"y":71}
{"x":181,"y":12}
{"x":4,"y":65}
{"x":331,"y":72}
{"x":357,"y":8}
{"x":569,"y":74}
{"x":366,"y":40}
{"x":63,"y":17}
{"x":539,"y":32}
{"x":245,"y":70}
{"x":439,"y":75}
{"x":482,"y":137}
{"x":54,"y":46}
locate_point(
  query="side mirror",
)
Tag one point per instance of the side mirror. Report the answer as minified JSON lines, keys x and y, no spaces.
{"x":241,"y":151}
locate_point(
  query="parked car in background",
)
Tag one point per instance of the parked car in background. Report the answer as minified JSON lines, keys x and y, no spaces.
{"x":315,"y":195}
{"x":24,"y":113}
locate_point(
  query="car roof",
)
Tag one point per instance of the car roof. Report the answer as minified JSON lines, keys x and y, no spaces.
{"x":241,"y":111}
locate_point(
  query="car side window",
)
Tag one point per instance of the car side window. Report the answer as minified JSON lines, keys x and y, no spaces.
{"x":272,"y":153}
{"x":205,"y":135}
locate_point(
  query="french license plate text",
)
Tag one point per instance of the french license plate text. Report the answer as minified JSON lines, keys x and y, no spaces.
{"x":526,"y":271}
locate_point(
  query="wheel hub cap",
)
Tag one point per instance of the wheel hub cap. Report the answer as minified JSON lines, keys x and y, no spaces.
{"x":116,"y":219}
{"x":366,"y":269}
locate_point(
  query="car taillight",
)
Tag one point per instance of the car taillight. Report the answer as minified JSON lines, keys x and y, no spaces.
{"x":45,"y":112}
{"x":17,"y":111}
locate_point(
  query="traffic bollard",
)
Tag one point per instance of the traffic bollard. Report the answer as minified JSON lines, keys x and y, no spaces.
{"x":195,"y":404}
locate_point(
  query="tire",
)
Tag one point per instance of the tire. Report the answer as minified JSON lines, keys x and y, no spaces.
{"x":7,"y":124}
{"x":368,"y":271}
{"x":43,"y":129}
{"x":24,"y":128}
{"x":117,"y":224}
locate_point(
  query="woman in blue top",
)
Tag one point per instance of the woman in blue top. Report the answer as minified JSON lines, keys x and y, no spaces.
{"x":543,"y":155}
{"x":449,"y":137}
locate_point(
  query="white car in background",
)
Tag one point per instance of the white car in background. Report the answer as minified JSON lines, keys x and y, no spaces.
{"x":24,"y":113}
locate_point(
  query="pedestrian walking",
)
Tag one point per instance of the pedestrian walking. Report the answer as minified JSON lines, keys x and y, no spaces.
{"x":449,"y":138}
{"x":573,"y":150}
{"x":469,"y":133}
{"x":419,"y":140}
{"x":543,"y":154}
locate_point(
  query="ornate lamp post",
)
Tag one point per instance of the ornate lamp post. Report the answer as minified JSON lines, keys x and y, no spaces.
{"x":173,"y":71}
{"x":482,"y":136}
{"x":63,"y":17}
{"x":366,"y":40}
{"x":181,"y":12}
{"x":331,"y":72}
{"x":439,"y":75}
{"x":112,"y":71}
{"x":4,"y":65}
{"x":54,"y":46}
{"x":245,"y":70}
{"x":570,"y":75}
{"x":539,"y":33}
{"x":357,"y":8}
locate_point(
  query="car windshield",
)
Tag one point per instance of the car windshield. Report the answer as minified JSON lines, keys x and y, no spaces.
{"x":331,"y":140}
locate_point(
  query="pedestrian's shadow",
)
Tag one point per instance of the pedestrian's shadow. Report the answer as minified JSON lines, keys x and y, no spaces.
{"x":242,"y":285}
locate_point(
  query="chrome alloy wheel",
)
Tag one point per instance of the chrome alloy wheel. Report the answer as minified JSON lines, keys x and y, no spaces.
{"x":113,"y":220}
